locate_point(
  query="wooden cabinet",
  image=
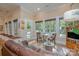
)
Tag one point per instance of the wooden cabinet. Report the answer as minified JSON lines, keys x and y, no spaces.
{"x":68,"y":43}
{"x":71,"y":43}
{"x":77,"y":45}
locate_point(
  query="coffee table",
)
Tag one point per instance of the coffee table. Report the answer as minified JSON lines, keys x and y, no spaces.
{"x":59,"y":50}
{"x":48,"y":46}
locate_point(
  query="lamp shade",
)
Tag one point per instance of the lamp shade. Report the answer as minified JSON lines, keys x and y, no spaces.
{"x":71,"y":15}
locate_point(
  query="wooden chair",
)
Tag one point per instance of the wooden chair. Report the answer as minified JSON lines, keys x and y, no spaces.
{"x":39,"y":37}
{"x":52,"y":38}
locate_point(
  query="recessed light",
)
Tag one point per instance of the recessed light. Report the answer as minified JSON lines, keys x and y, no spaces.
{"x":38,"y":9}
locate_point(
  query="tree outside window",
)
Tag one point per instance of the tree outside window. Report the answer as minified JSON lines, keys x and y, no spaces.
{"x":28,"y":26}
{"x":39,"y":26}
{"x":49,"y":26}
{"x":28,"y":29}
{"x":62,"y":26}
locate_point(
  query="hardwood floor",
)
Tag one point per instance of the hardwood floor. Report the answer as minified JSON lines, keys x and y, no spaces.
{"x":34,"y":42}
{"x":1,"y":44}
{"x":0,"y":51}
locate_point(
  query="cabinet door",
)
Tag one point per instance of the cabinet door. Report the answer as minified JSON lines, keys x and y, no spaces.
{"x":77,"y":42}
{"x":73,"y":44}
{"x":68,"y":43}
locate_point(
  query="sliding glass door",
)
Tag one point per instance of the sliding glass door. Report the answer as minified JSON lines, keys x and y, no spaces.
{"x":39,"y":26}
{"x":10,"y":27}
{"x":28,"y":29}
{"x":6,"y":28}
{"x":62,"y":25}
{"x":15,"y":22}
{"x":50,"y":26}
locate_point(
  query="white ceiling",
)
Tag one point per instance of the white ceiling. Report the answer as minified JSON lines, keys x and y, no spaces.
{"x":6,"y":8}
{"x":30,"y":7}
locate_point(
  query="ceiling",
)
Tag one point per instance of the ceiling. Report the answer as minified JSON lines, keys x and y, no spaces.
{"x":6,"y":8}
{"x":32,"y":7}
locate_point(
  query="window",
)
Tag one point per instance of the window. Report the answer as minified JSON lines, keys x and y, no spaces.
{"x":1,"y":27}
{"x":15,"y":27}
{"x":72,"y":23}
{"x":76,"y":23}
{"x":39,"y":26}
{"x":50,"y":26}
{"x":62,"y":26}
{"x":29,"y":29}
{"x":10,"y":27}
{"x":6,"y":27}
{"x":69,"y":23}
{"x":28,"y":26}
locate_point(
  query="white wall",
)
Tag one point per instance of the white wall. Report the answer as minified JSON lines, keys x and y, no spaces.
{"x":22,"y":14}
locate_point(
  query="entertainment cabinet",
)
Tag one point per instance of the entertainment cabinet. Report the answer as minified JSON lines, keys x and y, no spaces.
{"x":72,"y":29}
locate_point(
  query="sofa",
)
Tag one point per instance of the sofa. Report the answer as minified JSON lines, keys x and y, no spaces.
{"x":11,"y":48}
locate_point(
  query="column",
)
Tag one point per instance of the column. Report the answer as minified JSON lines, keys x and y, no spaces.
{"x":12,"y":28}
{"x":43,"y":26}
{"x":57,"y":28}
{"x":8,"y":31}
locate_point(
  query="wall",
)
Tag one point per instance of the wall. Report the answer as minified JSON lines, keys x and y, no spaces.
{"x":54,"y":14}
{"x":1,"y":23}
{"x":13,"y":15}
{"x":26,"y":16}
{"x":22,"y":14}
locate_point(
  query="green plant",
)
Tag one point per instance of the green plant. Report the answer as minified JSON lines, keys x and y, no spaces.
{"x":28,"y":26}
